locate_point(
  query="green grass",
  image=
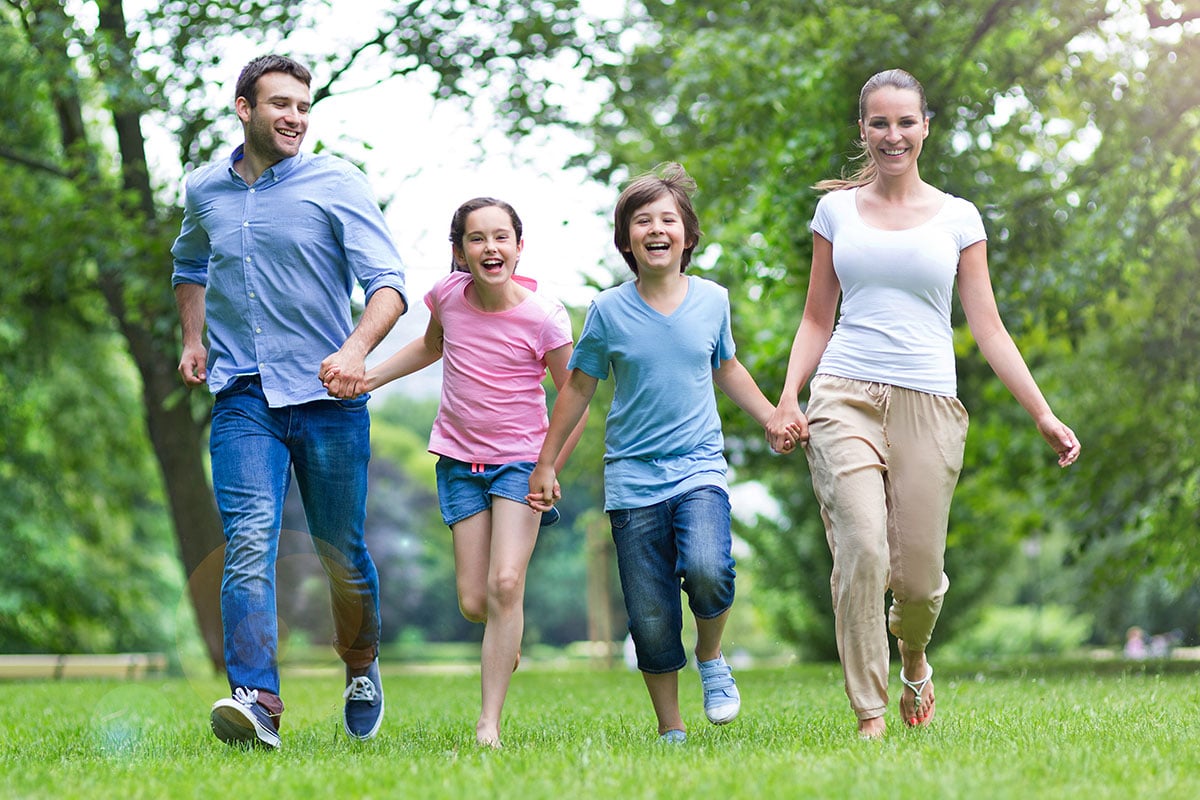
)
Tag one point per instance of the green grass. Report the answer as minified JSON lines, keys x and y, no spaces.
{"x":1062,"y":731}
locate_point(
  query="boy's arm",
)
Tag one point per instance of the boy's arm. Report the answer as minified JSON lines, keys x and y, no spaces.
{"x":569,"y":408}
{"x":556,"y":361}
{"x":735,"y":381}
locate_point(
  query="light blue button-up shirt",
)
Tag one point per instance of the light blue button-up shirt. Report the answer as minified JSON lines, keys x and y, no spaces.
{"x":278,"y":260}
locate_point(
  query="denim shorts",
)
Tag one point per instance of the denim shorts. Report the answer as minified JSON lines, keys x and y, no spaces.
{"x":466,"y":489}
{"x":682,"y":543}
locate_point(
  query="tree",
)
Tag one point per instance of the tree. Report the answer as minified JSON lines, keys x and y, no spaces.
{"x":99,"y":83}
{"x":1037,"y":104}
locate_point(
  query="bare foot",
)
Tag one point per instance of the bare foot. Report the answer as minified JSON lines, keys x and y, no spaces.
{"x":487,"y":736}
{"x":873,"y":728}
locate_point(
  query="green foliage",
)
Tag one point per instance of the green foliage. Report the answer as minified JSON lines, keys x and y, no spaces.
{"x":86,"y":562}
{"x":1006,"y":632}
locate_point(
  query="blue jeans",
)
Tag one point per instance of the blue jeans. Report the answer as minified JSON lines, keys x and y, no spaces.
{"x":683,"y":542}
{"x":254,"y":448}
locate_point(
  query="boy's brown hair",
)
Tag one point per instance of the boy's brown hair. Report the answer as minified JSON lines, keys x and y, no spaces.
{"x":666,"y":178}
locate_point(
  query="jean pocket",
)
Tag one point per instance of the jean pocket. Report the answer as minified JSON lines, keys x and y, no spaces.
{"x":353,"y":404}
{"x":239,"y":385}
{"x":619,"y":518}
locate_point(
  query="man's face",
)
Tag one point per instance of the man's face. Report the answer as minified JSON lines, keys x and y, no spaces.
{"x":276,"y":125}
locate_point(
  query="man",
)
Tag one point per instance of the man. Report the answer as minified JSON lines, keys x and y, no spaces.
{"x":271,"y":245}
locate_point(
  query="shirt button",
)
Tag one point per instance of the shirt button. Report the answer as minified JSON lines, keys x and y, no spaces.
{"x":252,"y":295}
{"x":245,"y":224}
{"x":247,"y":259}
{"x":252,"y":191}
{"x":258,"y":330}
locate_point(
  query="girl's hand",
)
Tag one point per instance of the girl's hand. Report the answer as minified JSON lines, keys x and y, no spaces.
{"x":787,"y":427}
{"x":544,"y":490}
{"x":1061,"y":438}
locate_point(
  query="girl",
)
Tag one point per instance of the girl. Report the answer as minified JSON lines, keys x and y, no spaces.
{"x":496,"y":338}
{"x":884,"y":432}
{"x":666,"y":338}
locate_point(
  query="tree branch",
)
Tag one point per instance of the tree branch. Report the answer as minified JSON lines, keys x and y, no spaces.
{"x":33,"y":163}
{"x":1157,"y":20}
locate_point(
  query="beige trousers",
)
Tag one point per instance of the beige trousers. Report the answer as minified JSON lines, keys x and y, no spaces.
{"x":884,"y":463}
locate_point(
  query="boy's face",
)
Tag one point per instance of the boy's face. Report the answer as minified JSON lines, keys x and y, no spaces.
{"x":656,"y":236}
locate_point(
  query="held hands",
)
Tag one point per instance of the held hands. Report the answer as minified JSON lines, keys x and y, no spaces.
{"x":544,"y":490}
{"x":1061,"y":438}
{"x":787,"y":427}
{"x":343,"y":376}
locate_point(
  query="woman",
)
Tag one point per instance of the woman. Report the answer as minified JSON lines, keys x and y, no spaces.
{"x":884,"y":431}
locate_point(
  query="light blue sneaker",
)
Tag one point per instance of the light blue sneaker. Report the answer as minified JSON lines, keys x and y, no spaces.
{"x":673,"y":736}
{"x":721,"y":698}
{"x":364,"y":704}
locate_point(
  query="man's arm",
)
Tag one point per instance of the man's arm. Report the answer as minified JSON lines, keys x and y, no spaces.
{"x":345,"y":372}
{"x":193,"y":363}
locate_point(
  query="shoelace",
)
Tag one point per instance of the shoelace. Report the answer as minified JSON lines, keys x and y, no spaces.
{"x":246,"y":697}
{"x":361,"y":688}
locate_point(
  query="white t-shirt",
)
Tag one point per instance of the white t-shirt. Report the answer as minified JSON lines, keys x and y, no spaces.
{"x":897,"y":290}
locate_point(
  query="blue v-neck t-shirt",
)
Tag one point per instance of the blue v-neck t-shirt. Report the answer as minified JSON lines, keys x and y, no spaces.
{"x":663,"y":433}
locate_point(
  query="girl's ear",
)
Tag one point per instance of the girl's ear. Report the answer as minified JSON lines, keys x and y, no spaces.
{"x":460,"y":258}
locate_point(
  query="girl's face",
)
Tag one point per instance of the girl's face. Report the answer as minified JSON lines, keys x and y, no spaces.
{"x":894,"y":129}
{"x":656,"y":236}
{"x":490,"y":248}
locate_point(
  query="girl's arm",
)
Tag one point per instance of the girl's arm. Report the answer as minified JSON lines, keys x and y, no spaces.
{"x":413,"y":357}
{"x":556,"y":361}
{"x":997,"y":346}
{"x":788,"y":423}
{"x":569,"y":408}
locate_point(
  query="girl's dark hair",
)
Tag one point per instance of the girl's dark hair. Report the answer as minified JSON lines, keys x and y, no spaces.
{"x":666,"y":178}
{"x":896,"y":79}
{"x":458,"y":224}
{"x":247,"y":82}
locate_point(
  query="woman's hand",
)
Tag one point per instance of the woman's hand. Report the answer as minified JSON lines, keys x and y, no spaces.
{"x":1061,"y":438}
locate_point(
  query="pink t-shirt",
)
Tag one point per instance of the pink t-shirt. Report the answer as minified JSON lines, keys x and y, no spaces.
{"x":493,"y":408}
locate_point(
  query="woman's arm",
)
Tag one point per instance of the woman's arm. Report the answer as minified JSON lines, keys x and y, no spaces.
{"x":997,"y":346}
{"x":788,"y":423}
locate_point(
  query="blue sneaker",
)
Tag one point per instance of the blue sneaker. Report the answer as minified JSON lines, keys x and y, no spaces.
{"x":241,"y":720}
{"x":550,"y":517}
{"x":721,"y":699}
{"x":364,"y":704}
{"x":673,"y":736}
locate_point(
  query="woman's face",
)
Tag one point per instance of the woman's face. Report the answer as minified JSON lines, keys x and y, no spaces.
{"x":894,"y":129}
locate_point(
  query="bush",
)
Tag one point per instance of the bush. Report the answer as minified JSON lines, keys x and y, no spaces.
{"x":1008,"y":631}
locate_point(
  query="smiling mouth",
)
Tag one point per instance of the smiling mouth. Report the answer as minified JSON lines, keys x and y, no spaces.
{"x":492,"y":264}
{"x":658,"y":247}
{"x":287,"y":133}
{"x":898,"y":152}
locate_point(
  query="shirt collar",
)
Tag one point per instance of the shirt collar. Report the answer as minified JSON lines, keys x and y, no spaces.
{"x":274,"y":172}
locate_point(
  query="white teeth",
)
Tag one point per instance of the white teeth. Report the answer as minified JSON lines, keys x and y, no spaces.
{"x":893,"y":152}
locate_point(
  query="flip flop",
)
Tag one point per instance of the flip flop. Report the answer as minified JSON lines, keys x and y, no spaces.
{"x":918,"y":687}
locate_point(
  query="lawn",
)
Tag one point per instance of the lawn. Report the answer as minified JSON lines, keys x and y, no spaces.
{"x":1059,"y":731}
